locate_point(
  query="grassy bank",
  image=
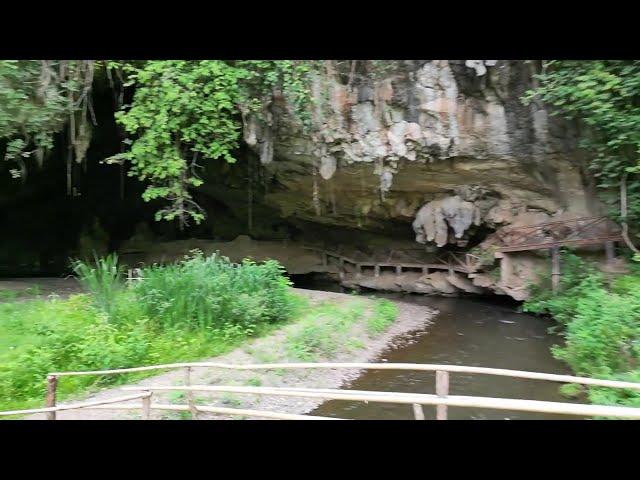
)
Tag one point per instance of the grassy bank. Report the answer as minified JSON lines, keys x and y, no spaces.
{"x":196,"y":309}
{"x":600,"y":321}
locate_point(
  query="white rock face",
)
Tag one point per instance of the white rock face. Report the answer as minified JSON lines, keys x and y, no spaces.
{"x":427,"y":150}
{"x":433,"y":220}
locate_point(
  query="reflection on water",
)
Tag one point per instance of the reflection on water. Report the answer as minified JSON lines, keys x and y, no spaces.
{"x":466,"y":332}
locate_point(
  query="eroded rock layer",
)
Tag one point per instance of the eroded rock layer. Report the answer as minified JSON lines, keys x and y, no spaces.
{"x":412,"y":158}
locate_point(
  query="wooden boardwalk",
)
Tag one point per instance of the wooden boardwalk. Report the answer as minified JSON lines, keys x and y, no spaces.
{"x":583,"y":231}
{"x":397,"y":267}
{"x":577,"y":232}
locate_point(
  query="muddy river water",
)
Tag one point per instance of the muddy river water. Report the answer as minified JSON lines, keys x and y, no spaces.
{"x":473,"y":332}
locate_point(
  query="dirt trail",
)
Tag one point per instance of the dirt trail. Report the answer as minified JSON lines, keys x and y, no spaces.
{"x":265,"y":350}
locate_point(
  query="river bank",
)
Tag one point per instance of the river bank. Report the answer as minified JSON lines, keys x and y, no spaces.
{"x":361,"y":346}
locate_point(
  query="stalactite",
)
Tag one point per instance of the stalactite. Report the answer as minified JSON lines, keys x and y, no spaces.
{"x":333,"y":199}
{"x":316,"y":192}
{"x":250,"y":197}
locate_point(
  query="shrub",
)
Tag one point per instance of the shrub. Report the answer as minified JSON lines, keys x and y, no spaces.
{"x":601,"y":327}
{"x":211,"y":292}
{"x":384,"y":314}
{"x":103,"y":279}
{"x":198,"y":308}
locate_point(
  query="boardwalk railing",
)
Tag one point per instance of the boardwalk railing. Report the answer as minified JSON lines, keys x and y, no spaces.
{"x":581,"y":231}
{"x":441,"y":400}
{"x":398,"y":266}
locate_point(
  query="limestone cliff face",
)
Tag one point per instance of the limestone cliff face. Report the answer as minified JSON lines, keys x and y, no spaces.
{"x":405,"y":159}
{"x":444,"y":145}
{"x":442,"y":151}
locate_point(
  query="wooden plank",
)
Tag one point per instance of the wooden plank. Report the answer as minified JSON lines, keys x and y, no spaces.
{"x":146,"y":407}
{"x":222,"y":410}
{"x":555,"y":268}
{"x":609,"y":247}
{"x":190,"y":401}
{"x":50,"y":402}
{"x":442,"y":390}
{"x":418,"y":412}
{"x":420,"y":398}
{"x":418,"y":367}
{"x":540,"y":246}
{"x":76,"y":406}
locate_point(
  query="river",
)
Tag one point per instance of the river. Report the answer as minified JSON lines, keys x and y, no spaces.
{"x":467,"y":331}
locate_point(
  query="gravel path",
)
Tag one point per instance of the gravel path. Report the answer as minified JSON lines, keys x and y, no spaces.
{"x":267,"y":350}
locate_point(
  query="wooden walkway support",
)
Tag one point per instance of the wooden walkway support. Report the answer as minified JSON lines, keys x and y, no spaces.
{"x":583,"y":231}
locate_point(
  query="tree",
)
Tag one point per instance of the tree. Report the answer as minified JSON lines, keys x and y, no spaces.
{"x":603,"y":97}
{"x":186,"y":111}
{"x":37,"y":99}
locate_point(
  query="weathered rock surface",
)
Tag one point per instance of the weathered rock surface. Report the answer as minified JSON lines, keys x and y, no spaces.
{"x":385,"y":147}
{"x":433,"y":153}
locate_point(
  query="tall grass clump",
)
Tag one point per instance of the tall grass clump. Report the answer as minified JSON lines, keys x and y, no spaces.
{"x":209,"y":293}
{"x":385,"y":313}
{"x":102,"y":278}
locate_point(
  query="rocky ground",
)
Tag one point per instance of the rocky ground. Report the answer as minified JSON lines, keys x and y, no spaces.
{"x":267,"y":350}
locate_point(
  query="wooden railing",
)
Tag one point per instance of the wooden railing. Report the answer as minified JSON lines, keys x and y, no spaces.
{"x":441,"y":400}
{"x":399,"y":266}
{"x":581,"y":231}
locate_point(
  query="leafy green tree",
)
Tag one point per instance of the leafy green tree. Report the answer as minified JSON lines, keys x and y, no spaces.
{"x":604,"y":98}
{"x":187,"y":111}
{"x":37,"y":99}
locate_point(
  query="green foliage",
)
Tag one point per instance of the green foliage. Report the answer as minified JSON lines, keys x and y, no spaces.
{"x":254,"y":382}
{"x":604,"y":97}
{"x":211,"y":293}
{"x":103,"y":279}
{"x":185,"y":110}
{"x":571,"y":390}
{"x":37,"y":98}
{"x":601,"y":326}
{"x":205,"y":306}
{"x":384,"y":314}
{"x":323,"y":332}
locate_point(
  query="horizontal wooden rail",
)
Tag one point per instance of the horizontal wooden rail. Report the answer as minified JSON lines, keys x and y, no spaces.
{"x":221,"y":410}
{"x":375,"y":366}
{"x":417,"y":398}
{"x":77,"y":405}
{"x":539,"y":246}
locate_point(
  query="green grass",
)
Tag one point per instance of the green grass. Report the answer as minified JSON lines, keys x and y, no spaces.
{"x":327,"y":330}
{"x":199,"y":308}
{"x":254,"y":382}
{"x":25,"y":293}
{"x":384,"y":314}
{"x":167,"y":320}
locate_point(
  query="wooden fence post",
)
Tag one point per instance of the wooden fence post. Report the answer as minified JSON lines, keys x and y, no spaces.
{"x":146,"y":407}
{"x":442,"y":390}
{"x":555,"y":268}
{"x":418,"y":412}
{"x":52,"y":385}
{"x":609,"y":247}
{"x":187,"y":382}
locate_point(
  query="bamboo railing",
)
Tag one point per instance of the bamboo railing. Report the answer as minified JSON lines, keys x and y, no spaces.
{"x":441,"y":400}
